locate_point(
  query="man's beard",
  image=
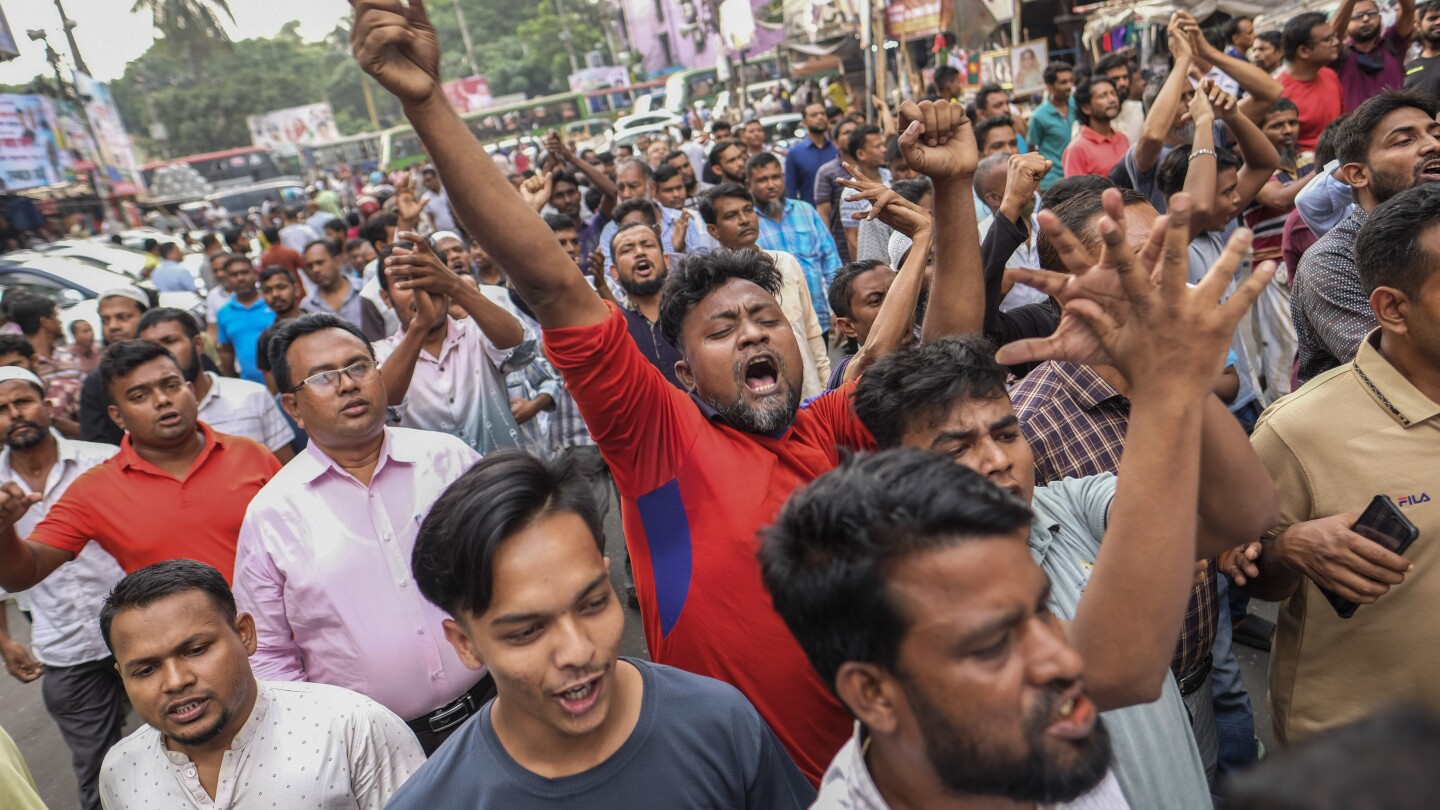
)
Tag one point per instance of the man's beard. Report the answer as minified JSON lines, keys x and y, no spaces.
{"x":966,"y":767}
{"x":1289,"y":156}
{"x":817,"y":130}
{"x":205,"y":735}
{"x":1185,"y":133}
{"x":1385,"y":185}
{"x":1432,"y":38}
{"x":691,"y":186}
{"x":192,"y":372}
{"x":773,"y":209}
{"x":642,"y":289}
{"x":29,"y":440}
{"x":1366,"y":36}
{"x":773,"y":416}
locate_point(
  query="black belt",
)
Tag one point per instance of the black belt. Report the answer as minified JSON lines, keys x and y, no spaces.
{"x":1191,"y":682}
{"x":453,"y":714}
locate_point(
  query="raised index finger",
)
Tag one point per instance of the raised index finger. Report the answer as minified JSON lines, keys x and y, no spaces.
{"x":1174,"y":268}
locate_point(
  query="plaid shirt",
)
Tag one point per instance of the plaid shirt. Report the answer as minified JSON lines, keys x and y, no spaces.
{"x":61,"y":375}
{"x":801,"y":233}
{"x":1075,"y":423}
{"x":1327,"y":302}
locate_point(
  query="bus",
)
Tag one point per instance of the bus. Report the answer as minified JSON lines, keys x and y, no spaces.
{"x":400,"y":147}
{"x":246,"y":164}
{"x":613,"y":101}
{"x":361,"y":152}
{"x":685,"y":87}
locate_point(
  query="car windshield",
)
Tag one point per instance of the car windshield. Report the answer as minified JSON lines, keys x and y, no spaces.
{"x":81,"y":276}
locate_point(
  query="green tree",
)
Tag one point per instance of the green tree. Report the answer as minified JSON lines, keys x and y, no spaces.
{"x":192,"y":25}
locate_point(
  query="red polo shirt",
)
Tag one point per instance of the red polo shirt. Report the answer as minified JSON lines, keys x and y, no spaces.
{"x":142,"y":515}
{"x":695,"y":494}
{"x":1093,"y":153}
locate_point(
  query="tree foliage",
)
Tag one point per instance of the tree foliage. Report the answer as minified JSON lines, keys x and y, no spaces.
{"x":203,"y":90}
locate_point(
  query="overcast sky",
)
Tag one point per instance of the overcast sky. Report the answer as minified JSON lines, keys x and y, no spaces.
{"x":110,"y":36}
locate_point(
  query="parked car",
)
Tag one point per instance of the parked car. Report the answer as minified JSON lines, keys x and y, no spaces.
{"x":101,"y":253}
{"x":783,"y":130}
{"x":76,"y":285}
{"x":629,"y":123}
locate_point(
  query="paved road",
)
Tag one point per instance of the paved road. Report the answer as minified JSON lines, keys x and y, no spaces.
{"x":23,"y":714}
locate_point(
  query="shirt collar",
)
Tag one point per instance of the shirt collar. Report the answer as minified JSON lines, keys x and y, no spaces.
{"x":234,"y":303}
{"x":1094,"y":137}
{"x":313,"y":462}
{"x":1087,"y":386}
{"x":129,"y":459}
{"x":1396,"y":395}
{"x":66,"y":452}
{"x":258,"y":715}
{"x":712,"y":415}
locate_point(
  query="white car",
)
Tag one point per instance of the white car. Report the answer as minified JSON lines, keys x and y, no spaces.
{"x":127,"y":261}
{"x":627,"y":123}
{"x":76,"y":286}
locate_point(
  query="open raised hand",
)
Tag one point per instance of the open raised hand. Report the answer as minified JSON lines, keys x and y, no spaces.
{"x":394,"y":42}
{"x":885,"y":204}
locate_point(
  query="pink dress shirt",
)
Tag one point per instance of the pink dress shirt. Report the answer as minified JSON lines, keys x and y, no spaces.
{"x":323,"y":565}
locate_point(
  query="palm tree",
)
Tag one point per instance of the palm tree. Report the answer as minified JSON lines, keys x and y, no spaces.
{"x":189,"y":24}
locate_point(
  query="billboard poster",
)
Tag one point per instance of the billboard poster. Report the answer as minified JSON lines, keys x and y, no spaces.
{"x":285,"y":131}
{"x":469,"y":94}
{"x":8,"y":48}
{"x":915,"y":19}
{"x":117,"y":156}
{"x":31,"y":152}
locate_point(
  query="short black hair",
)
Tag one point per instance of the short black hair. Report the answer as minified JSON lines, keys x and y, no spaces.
{"x":169,"y":315}
{"x":843,"y":285}
{"x":1353,"y":141}
{"x":713,"y":157}
{"x":1084,"y":91}
{"x":351,"y":244}
{"x":16,"y":344}
{"x":149,"y":245}
{"x":760,"y":161}
{"x":1390,"y":249}
{"x":123,"y":357}
{"x":271,"y":234}
{"x":168,"y":248}
{"x":169,"y":578}
{"x":630,"y":226}
{"x":232,"y":235}
{"x":1172,"y":169}
{"x":1281,"y":105}
{"x":706,"y":203}
{"x":945,"y":74}
{"x":1054,"y":69}
{"x":1276,"y":42}
{"x":641,"y":205}
{"x":698,"y":275}
{"x":828,"y":557}
{"x":1070,"y":186}
{"x":559,"y":222}
{"x":381,"y":276}
{"x":287,"y":332}
{"x":376,"y":225}
{"x":676,"y":153}
{"x":1232,"y":27}
{"x":330,"y":245}
{"x":336,"y":224}
{"x":28,"y":310}
{"x":858,"y":136}
{"x":560,"y":176}
{"x":665,"y":174}
{"x":1384,"y":760}
{"x":914,"y":190}
{"x":275,"y":270}
{"x":1329,"y":137}
{"x":1296,"y":33}
{"x":503,"y":494}
{"x":919,"y":384}
{"x":1110,"y":62}
{"x":237,"y":258}
{"x":1076,"y":213}
{"x":982,"y":129}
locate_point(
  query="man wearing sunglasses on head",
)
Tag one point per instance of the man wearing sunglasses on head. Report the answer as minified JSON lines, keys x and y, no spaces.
{"x":323,"y":562}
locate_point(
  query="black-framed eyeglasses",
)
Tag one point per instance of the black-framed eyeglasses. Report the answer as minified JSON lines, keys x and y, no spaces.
{"x":327,"y":381}
{"x":1365,"y":15}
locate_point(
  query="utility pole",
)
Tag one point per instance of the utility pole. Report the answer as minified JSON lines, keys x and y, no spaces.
{"x":69,"y":26}
{"x":99,"y":175}
{"x":565,"y":36}
{"x":464,"y":35}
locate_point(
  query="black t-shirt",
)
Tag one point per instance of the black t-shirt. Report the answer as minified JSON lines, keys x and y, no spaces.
{"x":1423,"y":74}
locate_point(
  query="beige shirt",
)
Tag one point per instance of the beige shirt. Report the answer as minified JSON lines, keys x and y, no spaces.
{"x":1352,"y":433}
{"x":799,"y":309}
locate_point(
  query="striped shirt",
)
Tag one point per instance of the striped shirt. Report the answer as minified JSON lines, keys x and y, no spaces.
{"x":1156,"y":758}
{"x":801,"y":233}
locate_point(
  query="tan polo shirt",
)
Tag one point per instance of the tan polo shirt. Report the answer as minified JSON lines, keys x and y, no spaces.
{"x":1354,"y":432}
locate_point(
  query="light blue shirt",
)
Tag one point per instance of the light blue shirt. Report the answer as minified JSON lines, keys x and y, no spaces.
{"x":171,"y":277}
{"x":803,"y":234}
{"x":1326,"y":202}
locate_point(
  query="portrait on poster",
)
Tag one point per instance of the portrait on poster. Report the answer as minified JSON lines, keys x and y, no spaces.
{"x":995,"y":67}
{"x":1028,"y":60}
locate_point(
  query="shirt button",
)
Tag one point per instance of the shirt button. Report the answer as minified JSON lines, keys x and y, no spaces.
{"x":401,"y":583}
{"x":419,"y":631}
{"x":190,"y":772}
{"x":435,"y":676}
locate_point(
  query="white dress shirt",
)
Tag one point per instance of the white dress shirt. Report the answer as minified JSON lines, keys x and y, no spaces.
{"x":1026,"y":256}
{"x":245,"y":408}
{"x":323,"y":564}
{"x":305,"y":746}
{"x":66,"y":605}
{"x":462,"y":392}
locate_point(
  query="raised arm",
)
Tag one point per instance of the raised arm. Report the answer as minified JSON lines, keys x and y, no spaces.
{"x":421,"y":269}
{"x":1202,"y":173}
{"x":1405,"y":22}
{"x":1261,"y":89}
{"x":597,"y":177}
{"x":1168,"y":341}
{"x":395,"y":43}
{"x":24,"y":563}
{"x":1167,"y":103}
{"x":1261,"y":159}
{"x":938,"y":142}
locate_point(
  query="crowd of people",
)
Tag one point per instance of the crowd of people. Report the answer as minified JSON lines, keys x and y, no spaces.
{"x":948,"y":447}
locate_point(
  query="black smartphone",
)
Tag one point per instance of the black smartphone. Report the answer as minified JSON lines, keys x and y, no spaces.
{"x":1383,"y":523}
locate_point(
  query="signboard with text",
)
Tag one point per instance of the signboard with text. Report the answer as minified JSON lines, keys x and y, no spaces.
{"x":285,"y":131}
{"x":112,"y":141}
{"x":31,"y":151}
{"x":913,"y":19}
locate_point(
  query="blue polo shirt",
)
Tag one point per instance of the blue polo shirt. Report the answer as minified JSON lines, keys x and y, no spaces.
{"x":239,"y":327}
{"x":1050,"y":135}
{"x":802,"y":163}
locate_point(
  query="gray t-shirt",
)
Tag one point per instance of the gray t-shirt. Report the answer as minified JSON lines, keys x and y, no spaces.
{"x":1156,"y":759}
{"x":698,"y":744}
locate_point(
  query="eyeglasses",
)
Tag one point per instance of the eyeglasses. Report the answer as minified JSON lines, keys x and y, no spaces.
{"x":1365,"y":15}
{"x":327,"y":381}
